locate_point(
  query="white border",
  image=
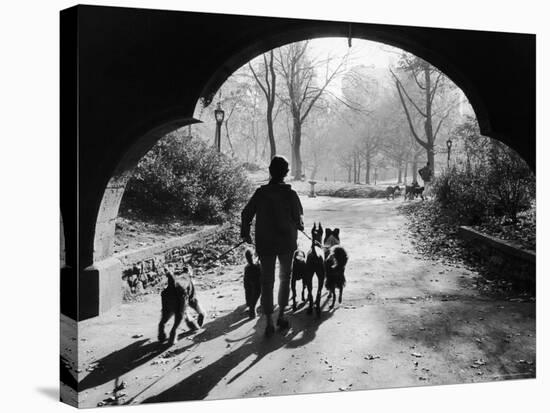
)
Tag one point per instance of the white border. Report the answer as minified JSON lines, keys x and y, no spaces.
{"x":29,"y":96}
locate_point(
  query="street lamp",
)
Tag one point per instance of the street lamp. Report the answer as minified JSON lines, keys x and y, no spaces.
{"x":219,"y":114}
{"x":449,"y":146}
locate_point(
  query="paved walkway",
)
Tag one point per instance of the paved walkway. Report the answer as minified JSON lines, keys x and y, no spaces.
{"x":404,"y":321}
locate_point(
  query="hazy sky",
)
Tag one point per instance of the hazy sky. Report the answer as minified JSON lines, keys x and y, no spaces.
{"x":362,"y":51}
{"x":379,"y":56}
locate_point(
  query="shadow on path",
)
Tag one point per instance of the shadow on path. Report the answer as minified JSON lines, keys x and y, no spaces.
{"x":140,"y":352}
{"x":121,"y":362}
{"x":199,"y":384}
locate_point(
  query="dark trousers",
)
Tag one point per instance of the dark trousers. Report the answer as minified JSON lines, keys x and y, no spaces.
{"x":267,"y":263}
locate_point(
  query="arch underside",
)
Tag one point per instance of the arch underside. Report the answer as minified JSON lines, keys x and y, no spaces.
{"x":141,"y":73}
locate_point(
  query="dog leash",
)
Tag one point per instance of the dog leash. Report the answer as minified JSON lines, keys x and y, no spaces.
{"x":243,"y":241}
{"x":309,"y":238}
{"x":230,"y":249}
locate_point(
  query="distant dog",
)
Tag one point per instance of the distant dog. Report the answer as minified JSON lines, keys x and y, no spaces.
{"x":392,"y":191}
{"x":252,"y":283}
{"x":315,"y":264}
{"x":298,"y":272}
{"x":413,"y":191}
{"x":176,"y":298}
{"x":335,"y":264}
{"x":418,"y":191}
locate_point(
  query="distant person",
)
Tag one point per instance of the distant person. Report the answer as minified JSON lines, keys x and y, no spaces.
{"x":425,"y":173}
{"x":278,"y":212}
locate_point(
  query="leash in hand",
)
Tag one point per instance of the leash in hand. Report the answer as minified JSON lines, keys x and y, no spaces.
{"x":230,"y":249}
{"x":309,"y":238}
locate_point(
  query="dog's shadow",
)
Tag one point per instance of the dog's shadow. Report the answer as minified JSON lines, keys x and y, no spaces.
{"x":198,"y":385}
{"x":142,"y":351}
{"x":121,"y":362}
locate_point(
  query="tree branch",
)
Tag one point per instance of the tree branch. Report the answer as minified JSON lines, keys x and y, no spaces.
{"x":411,"y":126}
{"x":407,"y":95}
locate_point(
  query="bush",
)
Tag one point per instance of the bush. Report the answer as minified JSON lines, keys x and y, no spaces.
{"x":183,"y":177}
{"x":501,"y":185}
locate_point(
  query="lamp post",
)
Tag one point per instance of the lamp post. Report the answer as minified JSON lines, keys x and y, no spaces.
{"x":449,"y":146}
{"x":219,"y":114}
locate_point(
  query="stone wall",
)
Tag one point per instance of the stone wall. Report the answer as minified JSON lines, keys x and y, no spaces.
{"x":503,"y":259}
{"x":142,"y":268}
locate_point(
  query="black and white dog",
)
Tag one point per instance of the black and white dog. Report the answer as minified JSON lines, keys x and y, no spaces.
{"x":298,"y":272}
{"x":336,"y":259}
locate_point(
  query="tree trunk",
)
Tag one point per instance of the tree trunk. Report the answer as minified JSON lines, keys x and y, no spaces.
{"x":349,"y":174}
{"x":367,"y":172}
{"x":269,"y":119}
{"x":431,"y":161}
{"x":314,"y":170}
{"x":406,"y":169}
{"x":296,"y":142}
{"x":354,"y":169}
{"x":428,"y":126}
{"x":400,"y":173}
{"x":414,"y":169}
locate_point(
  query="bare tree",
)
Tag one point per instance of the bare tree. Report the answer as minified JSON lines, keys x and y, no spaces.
{"x":370,"y":144}
{"x":345,"y":159}
{"x":428,"y":82}
{"x":268,"y":87}
{"x":304,"y":89}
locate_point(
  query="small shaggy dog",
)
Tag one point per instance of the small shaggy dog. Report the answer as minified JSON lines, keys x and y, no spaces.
{"x":176,"y":298}
{"x":299,"y":270}
{"x":335,"y":264}
{"x":252,"y":283}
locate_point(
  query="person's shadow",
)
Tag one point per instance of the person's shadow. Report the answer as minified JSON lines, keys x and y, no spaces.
{"x":199,"y":384}
{"x":142,"y":351}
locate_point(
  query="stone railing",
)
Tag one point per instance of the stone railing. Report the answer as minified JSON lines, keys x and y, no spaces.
{"x":506,"y":259}
{"x":142,"y":267}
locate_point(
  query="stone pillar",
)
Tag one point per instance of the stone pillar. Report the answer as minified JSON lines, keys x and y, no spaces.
{"x":100,"y":288}
{"x":312,"y":189}
{"x":100,"y":284}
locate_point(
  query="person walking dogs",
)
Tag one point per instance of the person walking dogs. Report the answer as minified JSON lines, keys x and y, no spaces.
{"x":279,"y":216}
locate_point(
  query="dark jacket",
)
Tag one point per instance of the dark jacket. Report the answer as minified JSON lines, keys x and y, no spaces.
{"x":278,"y":212}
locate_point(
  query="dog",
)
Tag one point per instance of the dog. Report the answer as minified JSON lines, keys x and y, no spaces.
{"x":336,"y":259}
{"x":391,"y":191}
{"x":413,"y":191}
{"x":315,"y":264}
{"x":176,"y":298}
{"x":298,"y":272}
{"x":419,"y":192}
{"x":252,"y":283}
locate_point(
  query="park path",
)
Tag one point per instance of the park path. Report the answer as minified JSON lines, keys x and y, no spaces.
{"x":404,"y":321}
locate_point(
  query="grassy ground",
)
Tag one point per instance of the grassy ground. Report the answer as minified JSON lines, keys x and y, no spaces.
{"x":435,"y":236}
{"x":522,"y":232}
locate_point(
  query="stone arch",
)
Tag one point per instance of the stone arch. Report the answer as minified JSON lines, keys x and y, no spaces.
{"x":138,"y":91}
{"x":446,"y":65}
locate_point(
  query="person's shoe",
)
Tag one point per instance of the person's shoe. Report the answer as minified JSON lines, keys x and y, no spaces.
{"x":283,"y":324}
{"x":269,"y":330}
